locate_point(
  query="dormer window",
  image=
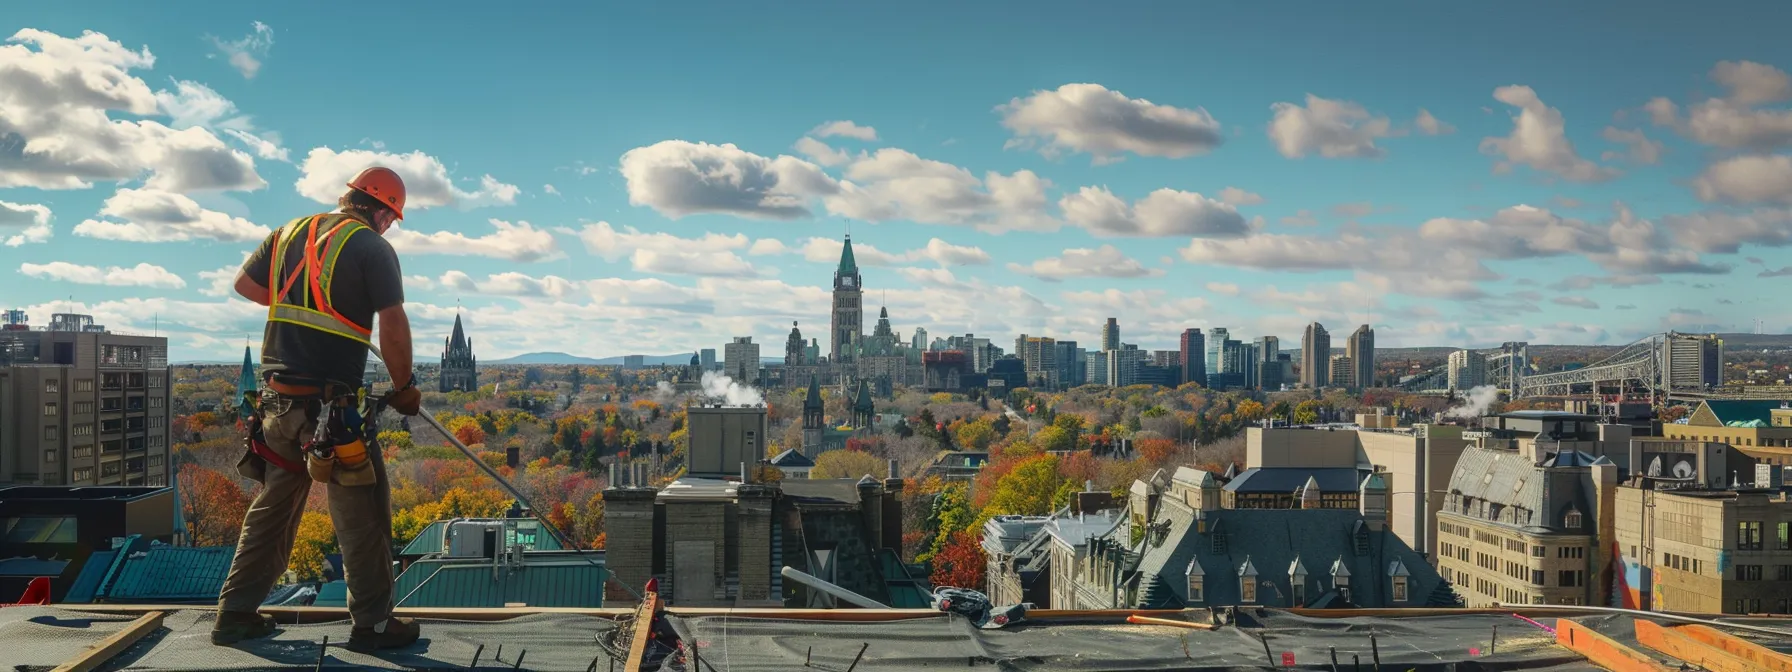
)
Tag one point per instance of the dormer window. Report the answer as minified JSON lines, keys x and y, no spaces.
{"x":1197,"y":583}
{"x":1399,"y":589}
{"x":1247,"y":582}
{"x":1571,"y":519}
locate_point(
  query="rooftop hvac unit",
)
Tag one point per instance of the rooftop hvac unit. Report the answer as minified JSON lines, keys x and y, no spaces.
{"x":473,"y":538}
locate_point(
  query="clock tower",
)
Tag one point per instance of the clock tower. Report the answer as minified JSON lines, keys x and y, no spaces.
{"x":849,"y":319}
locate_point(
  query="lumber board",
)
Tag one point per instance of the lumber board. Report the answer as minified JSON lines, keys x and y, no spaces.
{"x":101,"y":651}
{"x":1762,"y":657}
{"x":643,"y":632}
{"x":1147,"y":620}
{"x":1688,"y":649}
{"x":1604,"y":651}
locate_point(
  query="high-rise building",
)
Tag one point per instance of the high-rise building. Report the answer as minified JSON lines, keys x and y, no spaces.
{"x":1238,"y":365}
{"x":1315,"y":356}
{"x":1110,"y":334}
{"x":1071,"y":364}
{"x":634,"y":362}
{"x":1193,"y":352}
{"x":1269,"y":369}
{"x":707,"y":358}
{"x":1095,"y":367}
{"x":82,"y":406}
{"x":1216,"y":347}
{"x":795,"y":348}
{"x":1467,"y":370}
{"x":459,"y":367}
{"x":1693,"y":362}
{"x":1040,"y":355}
{"x":1123,"y":365}
{"x":919,"y":340}
{"x":741,"y":359}
{"x":848,"y":313}
{"x":1361,"y":351}
{"x":1342,"y":372}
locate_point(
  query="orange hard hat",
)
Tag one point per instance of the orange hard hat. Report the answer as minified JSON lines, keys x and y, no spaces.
{"x":382,"y":184}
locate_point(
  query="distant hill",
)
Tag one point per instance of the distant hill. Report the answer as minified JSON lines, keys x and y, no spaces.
{"x":561,"y":358}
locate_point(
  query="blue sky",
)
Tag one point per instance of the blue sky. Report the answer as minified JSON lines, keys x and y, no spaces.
{"x":1581,"y":176}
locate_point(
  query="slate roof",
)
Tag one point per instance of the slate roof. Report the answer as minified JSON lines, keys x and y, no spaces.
{"x":140,"y":571}
{"x":1519,"y":488}
{"x":792,"y":458}
{"x":1005,"y":534}
{"x":546,"y":579}
{"x":1272,"y":541}
{"x":1073,"y":530}
{"x":430,"y":541}
{"x":1288,"y":479}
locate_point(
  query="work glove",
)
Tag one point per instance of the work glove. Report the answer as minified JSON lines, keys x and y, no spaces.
{"x":407,"y":400}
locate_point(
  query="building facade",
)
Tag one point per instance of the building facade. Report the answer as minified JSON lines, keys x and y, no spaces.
{"x":741,"y":360}
{"x":1361,"y":351}
{"x":1110,"y":334}
{"x":80,"y":405}
{"x":1466,"y":370}
{"x":1315,"y":357}
{"x":1193,"y":352}
{"x":848,"y":321}
{"x":1705,"y":550}
{"x":460,"y":370}
{"x":1759,"y":429}
{"x":1693,"y":362}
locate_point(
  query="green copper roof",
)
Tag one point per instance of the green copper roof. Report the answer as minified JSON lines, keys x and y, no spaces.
{"x":245,"y":383}
{"x":430,"y":540}
{"x":847,"y":265}
{"x":546,"y":579}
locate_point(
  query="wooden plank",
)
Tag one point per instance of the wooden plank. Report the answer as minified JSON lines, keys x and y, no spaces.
{"x":643,"y":632}
{"x":1147,"y":620}
{"x":1761,"y":656}
{"x":99,"y":652}
{"x":1688,"y":649}
{"x":1604,"y":651}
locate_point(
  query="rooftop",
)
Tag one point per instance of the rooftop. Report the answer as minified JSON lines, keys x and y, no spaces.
{"x":1288,"y":479}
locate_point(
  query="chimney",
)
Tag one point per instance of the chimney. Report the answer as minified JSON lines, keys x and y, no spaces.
{"x":1605,"y":490}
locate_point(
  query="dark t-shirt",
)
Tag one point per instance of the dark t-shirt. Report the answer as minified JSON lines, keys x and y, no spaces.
{"x":367,"y":280}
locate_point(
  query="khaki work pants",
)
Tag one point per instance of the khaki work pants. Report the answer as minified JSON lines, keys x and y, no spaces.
{"x":362,"y":516}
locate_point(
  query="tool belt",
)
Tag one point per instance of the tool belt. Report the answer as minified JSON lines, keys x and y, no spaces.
{"x":337,"y":449}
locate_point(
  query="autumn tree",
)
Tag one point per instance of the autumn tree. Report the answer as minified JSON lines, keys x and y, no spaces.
{"x":1156,"y":451}
{"x":212,"y":504}
{"x":316,"y":539}
{"x":466,"y":429}
{"x":961,"y":563}
{"x":976,"y":436}
{"x":1306,"y":413}
{"x":1249,"y":410}
{"x":848,"y":464}
{"x":1027,"y":490}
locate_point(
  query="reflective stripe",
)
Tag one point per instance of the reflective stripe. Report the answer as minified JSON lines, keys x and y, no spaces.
{"x":318,"y":267}
{"x":306,"y":317}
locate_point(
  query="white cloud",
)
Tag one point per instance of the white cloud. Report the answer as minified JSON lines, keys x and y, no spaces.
{"x":151,"y":216}
{"x":195,"y":104}
{"x":220,"y":282}
{"x":325,"y":174}
{"x":245,"y":54}
{"x":845,"y":129}
{"x":1641,"y":150}
{"x":1225,"y":288}
{"x":1301,"y":218}
{"x":266,"y":145}
{"x":1733,"y":121}
{"x":31,"y":221}
{"x":766,"y":246}
{"x":1747,"y":179}
{"x":820,"y":152}
{"x":1102,"y":262}
{"x":1165,"y":212}
{"x":550,"y":190}
{"x":1091,"y":118}
{"x":947,"y":254}
{"x":1330,"y":128}
{"x":895,"y":184}
{"x":1726,"y":233}
{"x":511,"y":284}
{"x":1235,"y":196}
{"x":141,"y":275}
{"x":679,"y":178}
{"x":1539,"y":139}
{"x":1430,"y":125}
{"x":827,"y":251}
{"x":1575,"y":302}
{"x":713,"y":254}
{"x":54,"y":104}
{"x":518,"y":242}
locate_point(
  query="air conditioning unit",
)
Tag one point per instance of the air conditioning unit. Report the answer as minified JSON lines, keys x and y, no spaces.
{"x":473,"y":538}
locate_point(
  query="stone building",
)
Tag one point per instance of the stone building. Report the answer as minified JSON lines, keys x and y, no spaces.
{"x":460,"y":370}
{"x":1760,"y":429}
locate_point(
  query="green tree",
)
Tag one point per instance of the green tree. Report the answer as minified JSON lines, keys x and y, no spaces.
{"x":976,"y":435}
{"x":1028,"y":490}
{"x":847,"y":464}
{"x":1306,"y":413}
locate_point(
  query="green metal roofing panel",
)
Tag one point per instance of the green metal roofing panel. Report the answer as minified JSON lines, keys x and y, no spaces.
{"x":568,"y":582}
{"x":430,"y":540}
{"x":170,"y":574}
{"x":1741,"y":410}
{"x":332,"y":594}
{"x":93,"y":572}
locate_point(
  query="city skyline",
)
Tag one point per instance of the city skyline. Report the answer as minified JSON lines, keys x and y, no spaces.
{"x":565,"y":203}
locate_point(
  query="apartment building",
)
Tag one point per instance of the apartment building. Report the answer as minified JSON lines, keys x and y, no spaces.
{"x":1709,"y":550}
{"x":83,"y":406}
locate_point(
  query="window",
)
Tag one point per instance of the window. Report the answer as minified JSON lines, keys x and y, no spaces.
{"x":1300,"y":590}
{"x":84,"y":385}
{"x":1748,"y":535}
{"x":50,"y":410}
{"x":1748,"y":572}
{"x":84,"y":474}
{"x":1537,"y":551}
{"x":1197,"y":589}
{"x":155,"y":381}
{"x":155,"y":402}
{"x":50,"y":456}
{"x":83,"y":408}
{"x":1342,"y":585}
{"x":1571,"y":519}
{"x":1570,"y":552}
{"x":1784,"y":573}
{"x":1784,"y":536}
{"x":1536,"y":577}
{"x":1570,"y":578}
{"x":1399,"y":589}
{"x":1695,"y":566}
{"x":82,"y":452}
{"x":1748,"y":606}
{"x":1247,"y":589}
{"x":38,"y":530}
{"x":52,"y":386}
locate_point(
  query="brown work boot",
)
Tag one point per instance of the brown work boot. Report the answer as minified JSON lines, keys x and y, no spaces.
{"x":394,"y":633}
{"x":235,"y":626}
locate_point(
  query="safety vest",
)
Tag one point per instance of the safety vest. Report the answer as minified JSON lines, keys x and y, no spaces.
{"x":325,"y":236}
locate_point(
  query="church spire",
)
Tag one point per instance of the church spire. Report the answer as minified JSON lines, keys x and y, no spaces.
{"x":848,"y":266}
{"x":457,"y":341}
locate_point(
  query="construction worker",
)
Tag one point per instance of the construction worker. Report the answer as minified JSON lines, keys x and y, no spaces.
{"x":324,"y":279}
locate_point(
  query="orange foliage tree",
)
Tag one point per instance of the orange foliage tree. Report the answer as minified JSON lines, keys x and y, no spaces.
{"x":212,"y":504}
{"x":1156,"y":451}
{"x":960,"y":564}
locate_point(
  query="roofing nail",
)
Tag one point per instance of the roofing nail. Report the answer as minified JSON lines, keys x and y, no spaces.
{"x":519,"y":660}
{"x":1375,"y":650}
{"x":322,"y":649}
{"x":855,"y":659}
{"x":476,"y":653}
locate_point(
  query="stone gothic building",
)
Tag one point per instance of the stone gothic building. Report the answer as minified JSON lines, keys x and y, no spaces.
{"x":459,"y":367}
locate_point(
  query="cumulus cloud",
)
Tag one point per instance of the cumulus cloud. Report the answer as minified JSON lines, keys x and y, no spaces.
{"x":245,"y":54}
{"x":1726,"y":232}
{"x":518,"y":242}
{"x":1539,"y":140}
{"x":1235,"y":196}
{"x":1225,"y":288}
{"x":151,"y":216}
{"x":827,"y":251}
{"x":1575,"y":302}
{"x":680,"y":178}
{"x":510,"y":284}
{"x":1330,"y":128}
{"x":1735,"y":120}
{"x":1102,"y":262}
{"x":1092,"y":119}
{"x":712,"y":254}
{"x":266,"y":145}
{"x":30,"y":221}
{"x":1301,"y":218}
{"x":550,"y":190}
{"x":56,"y":132}
{"x":820,"y":152}
{"x":1165,"y":212}
{"x":1430,"y":125}
{"x":1747,"y":179}
{"x":845,"y":129}
{"x":141,"y":275}
{"x":1641,"y":150}
{"x":895,"y":184}
{"x":325,"y":173}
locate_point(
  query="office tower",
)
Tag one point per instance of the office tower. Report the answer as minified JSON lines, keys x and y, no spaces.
{"x":919,"y":340}
{"x":1216,"y":344}
{"x":1070,"y":364}
{"x":848,"y":314}
{"x":1315,"y":356}
{"x":742,"y":360}
{"x":1096,"y":367}
{"x":1693,"y":362}
{"x":1361,"y":351}
{"x":1269,"y":373}
{"x":707,"y":357}
{"x":459,"y":367}
{"x":795,"y":348}
{"x":1467,"y":370}
{"x":1039,"y":355}
{"x":1194,"y":357}
{"x":1123,"y":365}
{"x":1110,"y":335}
{"x":83,"y":406}
{"x":1343,"y":372}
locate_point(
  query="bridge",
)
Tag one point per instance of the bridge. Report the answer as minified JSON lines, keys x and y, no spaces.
{"x":1640,"y":366}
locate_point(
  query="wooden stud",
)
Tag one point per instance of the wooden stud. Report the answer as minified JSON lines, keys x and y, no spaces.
{"x":1688,"y":649}
{"x":643,"y":632}
{"x":1604,"y":651}
{"x":99,"y":652}
{"x":1136,"y":619}
{"x":1767,"y":659}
